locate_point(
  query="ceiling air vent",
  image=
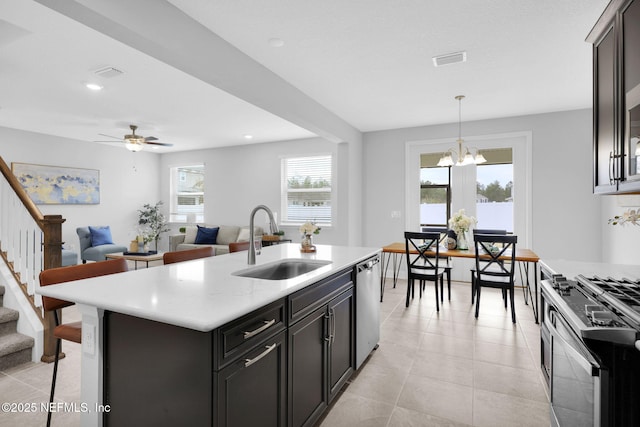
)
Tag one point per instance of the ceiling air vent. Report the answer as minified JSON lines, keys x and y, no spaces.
{"x":449,"y":58}
{"x":108,"y":72}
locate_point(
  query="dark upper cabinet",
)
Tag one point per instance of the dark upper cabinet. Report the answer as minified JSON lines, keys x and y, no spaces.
{"x":606,"y":149}
{"x":616,"y":98}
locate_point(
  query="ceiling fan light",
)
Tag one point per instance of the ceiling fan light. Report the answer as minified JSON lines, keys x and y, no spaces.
{"x":133,"y":145}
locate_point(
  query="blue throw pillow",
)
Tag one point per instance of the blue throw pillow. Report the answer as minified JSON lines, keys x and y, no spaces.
{"x":100,"y":236}
{"x":206,"y":236}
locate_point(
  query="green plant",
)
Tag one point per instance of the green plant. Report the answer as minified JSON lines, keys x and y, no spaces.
{"x":152,"y":222}
{"x":183,"y":229}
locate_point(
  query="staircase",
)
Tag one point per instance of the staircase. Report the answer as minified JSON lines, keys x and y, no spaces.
{"x":15,"y":348}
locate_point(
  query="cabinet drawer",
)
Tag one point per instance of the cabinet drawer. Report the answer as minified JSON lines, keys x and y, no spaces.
{"x":308,"y":299}
{"x":236,"y":337}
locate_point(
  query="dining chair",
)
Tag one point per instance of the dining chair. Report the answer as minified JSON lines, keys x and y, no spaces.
{"x":483,"y":231}
{"x":71,"y":331}
{"x":495,"y":267}
{"x":238,"y":246}
{"x":447,"y":268}
{"x":421,"y":265}
{"x":186,"y":255}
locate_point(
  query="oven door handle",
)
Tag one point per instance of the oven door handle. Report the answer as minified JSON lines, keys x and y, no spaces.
{"x":575,"y":349}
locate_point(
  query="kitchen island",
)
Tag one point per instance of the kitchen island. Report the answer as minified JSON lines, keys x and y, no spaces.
{"x":166,"y":345}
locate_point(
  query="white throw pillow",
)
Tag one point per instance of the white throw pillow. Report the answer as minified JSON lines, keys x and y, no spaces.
{"x":244,"y":235}
{"x":190,"y":234}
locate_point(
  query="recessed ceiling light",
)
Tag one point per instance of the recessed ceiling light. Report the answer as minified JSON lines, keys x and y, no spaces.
{"x":276,"y":42}
{"x":94,"y":86}
{"x":248,"y":137}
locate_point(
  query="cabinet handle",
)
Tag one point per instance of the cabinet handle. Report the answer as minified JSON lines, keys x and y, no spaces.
{"x":328,"y":318}
{"x":333,"y":333}
{"x":269,"y":349}
{"x":332,"y":325}
{"x":610,"y":167}
{"x":267,"y":324}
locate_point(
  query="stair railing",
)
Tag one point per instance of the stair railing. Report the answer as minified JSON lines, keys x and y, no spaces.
{"x":29,"y":243}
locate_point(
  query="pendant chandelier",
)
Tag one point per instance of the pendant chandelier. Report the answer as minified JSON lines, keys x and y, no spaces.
{"x":463,"y":155}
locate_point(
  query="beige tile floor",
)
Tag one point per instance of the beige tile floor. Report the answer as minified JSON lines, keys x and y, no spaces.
{"x":431,"y":369}
{"x":447,"y":368}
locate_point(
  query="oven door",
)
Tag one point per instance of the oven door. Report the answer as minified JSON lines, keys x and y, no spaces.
{"x":576,"y":383}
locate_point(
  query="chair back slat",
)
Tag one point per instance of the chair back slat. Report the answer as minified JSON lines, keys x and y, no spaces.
{"x":238,"y":246}
{"x":489,"y":231}
{"x":58,"y":275}
{"x":427,"y":247}
{"x":491,"y":250}
{"x":187,"y":255}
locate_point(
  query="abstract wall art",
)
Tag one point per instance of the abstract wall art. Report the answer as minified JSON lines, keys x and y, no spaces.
{"x":55,"y":185}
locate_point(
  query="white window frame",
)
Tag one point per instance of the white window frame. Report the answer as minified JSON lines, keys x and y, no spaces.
{"x":284,"y":191}
{"x":463,"y":184}
{"x":175,"y":214}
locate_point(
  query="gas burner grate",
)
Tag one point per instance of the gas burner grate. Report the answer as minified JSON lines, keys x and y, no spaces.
{"x":627,"y":291}
{"x":622,"y":294}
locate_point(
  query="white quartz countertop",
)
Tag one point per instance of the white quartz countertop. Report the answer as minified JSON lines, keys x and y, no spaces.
{"x":570,"y":269}
{"x":203,"y":294}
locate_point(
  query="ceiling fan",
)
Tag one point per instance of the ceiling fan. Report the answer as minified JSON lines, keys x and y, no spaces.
{"x":135,"y":142}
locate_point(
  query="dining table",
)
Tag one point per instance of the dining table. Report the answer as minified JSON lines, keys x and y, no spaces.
{"x":393,"y":253}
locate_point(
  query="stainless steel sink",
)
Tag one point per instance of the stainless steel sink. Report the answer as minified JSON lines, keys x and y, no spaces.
{"x":283,"y":269}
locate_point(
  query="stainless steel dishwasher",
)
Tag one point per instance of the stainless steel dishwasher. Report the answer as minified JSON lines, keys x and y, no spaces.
{"x":367,"y":308}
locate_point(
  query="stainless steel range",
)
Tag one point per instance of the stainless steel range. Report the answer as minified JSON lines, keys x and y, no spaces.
{"x":590,"y":350}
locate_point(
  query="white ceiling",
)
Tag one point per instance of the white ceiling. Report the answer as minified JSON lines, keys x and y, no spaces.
{"x":346,"y":66}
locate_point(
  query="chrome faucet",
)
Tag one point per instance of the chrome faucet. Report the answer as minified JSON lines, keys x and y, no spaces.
{"x":252,"y":244}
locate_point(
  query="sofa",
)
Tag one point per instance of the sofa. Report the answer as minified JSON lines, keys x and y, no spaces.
{"x":225,"y":234}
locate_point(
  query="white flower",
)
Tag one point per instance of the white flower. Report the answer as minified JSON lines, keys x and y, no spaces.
{"x":309,"y":228}
{"x":631,"y":216}
{"x":460,"y":222}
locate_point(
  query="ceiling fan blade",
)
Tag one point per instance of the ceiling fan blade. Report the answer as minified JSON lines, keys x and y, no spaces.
{"x":109,"y":136}
{"x":150,"y":138}
{"x":113,"y":142}
{"x":164,"y":144}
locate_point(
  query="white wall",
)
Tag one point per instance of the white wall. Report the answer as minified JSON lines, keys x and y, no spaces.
{"x":568,"y":220}
{"x":620,"y":242}
{"x":566,"y":215}
{"x":127,"y":180}
{"x":237,"y":179}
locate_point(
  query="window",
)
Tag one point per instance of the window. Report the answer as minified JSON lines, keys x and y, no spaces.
{"x":187,"y":194}
{"x":494,"y":190}
{"x":306,"y":190}
{"x":435,"y":193}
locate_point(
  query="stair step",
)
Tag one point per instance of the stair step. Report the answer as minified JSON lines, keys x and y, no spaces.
{"x":15,"y":349}
{"x":8,"y":321}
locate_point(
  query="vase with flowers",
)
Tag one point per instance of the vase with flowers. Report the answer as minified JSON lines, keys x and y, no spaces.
{"x":307,"y":229}
{"x":460,"y":223}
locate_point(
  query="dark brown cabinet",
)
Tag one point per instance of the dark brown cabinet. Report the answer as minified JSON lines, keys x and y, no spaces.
{"x":251,"y":382}
{"x":616,"y":98}
{"x":252,"y":390}
{"x":341,"y":342}
{"x":280,"y":365}
{"x":165,"y":375}
{"x":321,"y":346}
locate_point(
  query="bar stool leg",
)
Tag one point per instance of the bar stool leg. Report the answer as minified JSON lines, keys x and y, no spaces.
{"x":53,"y":381}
